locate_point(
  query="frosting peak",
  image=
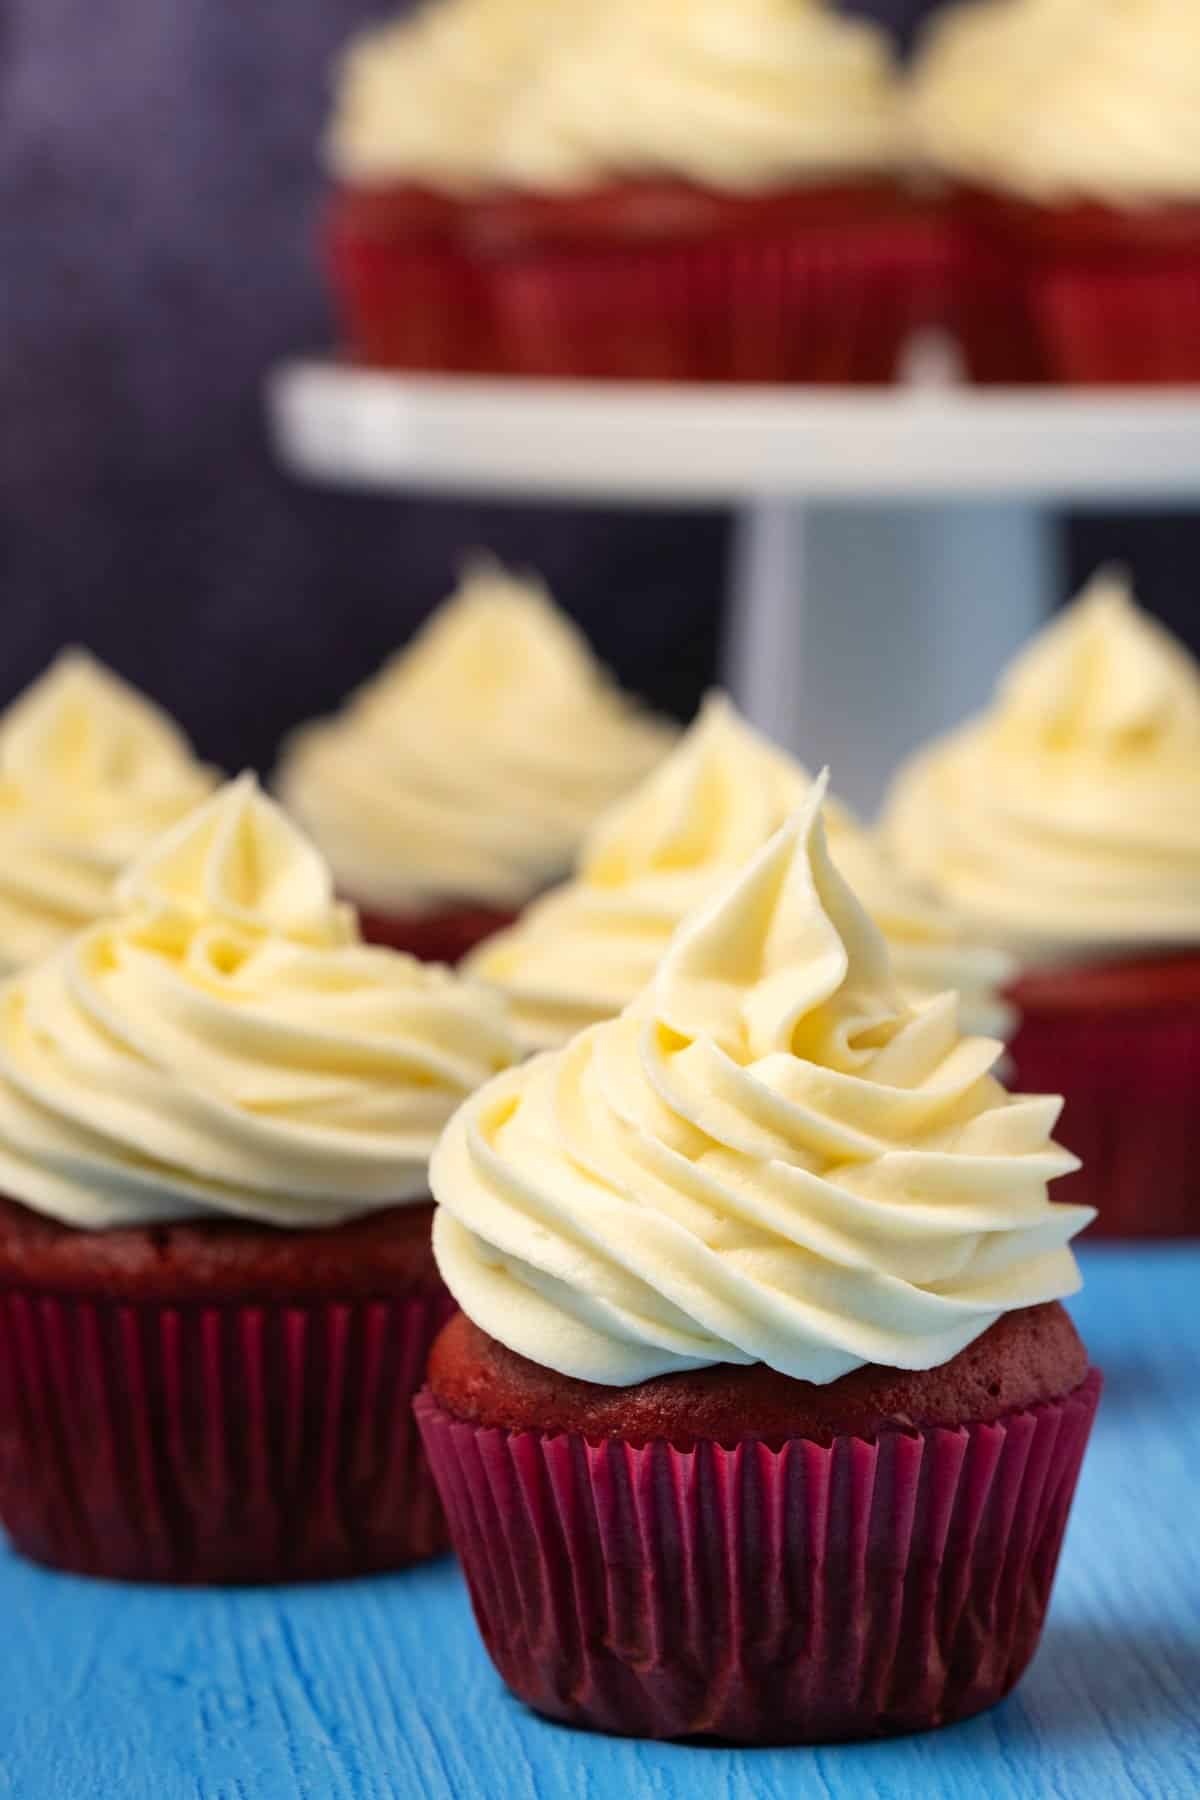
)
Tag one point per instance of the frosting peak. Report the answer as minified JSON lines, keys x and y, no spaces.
{"x":225,"y":1044}
{"x":474,"y":762}
{"x":239,"y":860}
{"x":1065,"y":818}
{"x":583,"y":952}
{"x":769,"y":1157}
{"x":1104,"y":677}
{"x":90,"y":773}
{"x":795,"y":966}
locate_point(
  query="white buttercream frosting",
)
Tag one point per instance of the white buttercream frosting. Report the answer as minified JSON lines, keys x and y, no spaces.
{"x":1065,"y":99}
{"x":90,"y":773}
{"x":735,"y":94}
{"x":588,"y":948}
{"x":472,"y":765}
{"x":225,"y":1044}
{"x":1066,"y":819}
{"x":769,"y":1158}
{"x":423,"y":98}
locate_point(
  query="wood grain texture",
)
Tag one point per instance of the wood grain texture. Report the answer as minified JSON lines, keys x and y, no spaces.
{"x":380,"y":1689}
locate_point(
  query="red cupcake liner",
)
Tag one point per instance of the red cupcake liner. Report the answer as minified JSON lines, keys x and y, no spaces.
{"x":1131,"y":1081}
{"x":409,"y":298}
{"x":438,"y":937}
{"x":757,"y":1594}
{"x":216,"y":1443}
{"x":1119,"y":326}
{"x":831,"y":306}
{"x":1082,"y":295}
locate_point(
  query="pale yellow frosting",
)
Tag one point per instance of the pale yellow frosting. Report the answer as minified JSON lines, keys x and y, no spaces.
{"x":768,"y":1158}
{"x":90,"y":773}
{"x":423,"y":98}
{"x":735,"y":94}
{"x":1065,"y":99}
{"x":1066,"y":819}
{"x":474,"y":763}
{"x":225,"y":1044}
{"x":588,"y":948}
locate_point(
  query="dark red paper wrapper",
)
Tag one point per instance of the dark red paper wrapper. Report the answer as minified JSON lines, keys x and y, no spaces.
{"x":830,"y":307}
{"x":216,"y":1443}
{"x":439,"y":937}
{"x":1131,"y":1081}
{"x":408,"y":296}
{"x":1081,"y":295}
{"x":757,"y":1594}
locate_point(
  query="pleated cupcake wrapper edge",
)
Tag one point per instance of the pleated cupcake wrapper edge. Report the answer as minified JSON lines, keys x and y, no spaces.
{"x":216,"y":1442}
{"x":1131,"y":1114}
{"x":757,"y":1594}
{"x":833,"y":308}
{"x":417,"y":305}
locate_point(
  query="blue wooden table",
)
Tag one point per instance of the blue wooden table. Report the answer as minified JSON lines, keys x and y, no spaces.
{"x":380,"y":1688}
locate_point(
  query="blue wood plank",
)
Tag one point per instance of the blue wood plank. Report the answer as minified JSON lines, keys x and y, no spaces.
{"x":372,"y":1690}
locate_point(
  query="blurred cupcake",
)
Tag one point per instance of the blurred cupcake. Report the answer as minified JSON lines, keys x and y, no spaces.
{"x":216,"y":1284}
{"x":763,"y":1420}
{"x":90,"y":773}
{"x":418,"y":105}
{"x":706,"y":189}
{"x":587,"y":949}
{"x":459,"y":782}
{"x":1073,"y":129}
{"x":1065,"y":824}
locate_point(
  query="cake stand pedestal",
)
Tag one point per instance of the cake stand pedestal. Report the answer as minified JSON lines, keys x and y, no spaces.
{"x":893,"y":547}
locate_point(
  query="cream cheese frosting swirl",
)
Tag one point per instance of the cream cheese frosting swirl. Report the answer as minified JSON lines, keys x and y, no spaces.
{"x":224,"y":1044}
{"x":768,"y":1158}
{"x":423,"y":98}
{"x":739,"y":96}
{"x":1066,"y":819}
{"x":90,"y":773}
{"x":1065,"y":99}
{"x":587,"y":949}
{"x":473,"y":764}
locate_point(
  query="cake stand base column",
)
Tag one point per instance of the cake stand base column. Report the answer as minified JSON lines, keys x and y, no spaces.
{"x":855,"y":632}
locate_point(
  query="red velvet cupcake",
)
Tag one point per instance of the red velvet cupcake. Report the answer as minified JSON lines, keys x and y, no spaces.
{"x":762,"y":1422}
{"x":708,"y":193}
{"x":1072,"y":129}
{"x":459,"y":782}
{"x":664,"y":280}
{"x":1064,"y":823}
{"x":417,"y":107}
{"x":217,"y":1291}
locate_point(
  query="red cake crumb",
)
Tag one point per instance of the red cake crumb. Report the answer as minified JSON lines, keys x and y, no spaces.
{"x":1026,"y":1357}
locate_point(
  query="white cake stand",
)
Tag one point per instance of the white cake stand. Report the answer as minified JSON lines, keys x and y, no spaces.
{"x":893,"y":547}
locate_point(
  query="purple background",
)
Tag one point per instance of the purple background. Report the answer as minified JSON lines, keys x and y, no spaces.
{"x":158,"y":188}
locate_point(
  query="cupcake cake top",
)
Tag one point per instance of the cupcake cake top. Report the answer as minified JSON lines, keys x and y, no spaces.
{"x":90,"y":772}
{"x":586,"y":950}
{"x":1065,"y":99}
{"x":471,"y":766}
{"x":422,"y":98}
{"x":1066,"y":818}
{"x":769,"y":1158}
{"x":732,"y":94}
{"x":225,"y":1044}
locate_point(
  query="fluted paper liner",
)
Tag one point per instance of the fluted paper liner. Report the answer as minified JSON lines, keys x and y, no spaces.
{"x":1131,"y":1081}
{"x":216,"y":1443}
{"x":834,"y":308}
{"x":759,"y":1594}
